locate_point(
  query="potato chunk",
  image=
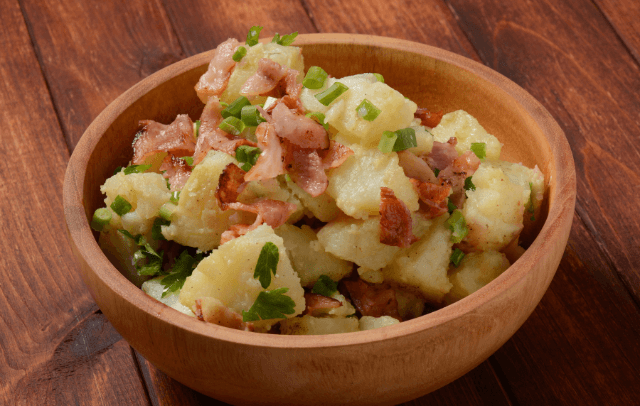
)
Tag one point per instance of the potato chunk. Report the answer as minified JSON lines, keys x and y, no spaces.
{"x":355,"y":185}
{"x":309,"y":325}
{"x":494,"y":210}
{"x":227,"y":274}
{"x":308,"y":257}
{"x":467,"y":130}
{"x":521,"y":175}
{"x":424,"y":265}
{"x":476,"y":270}
{"x":369,"y":323}
{"x":322,"y":207}
{"x":284,"y":55}
{"x":272,"y":189}
{"x":424,"y":139}
{"x":146,"y":192}
{"x":154,"y":288}
{"x":198,"y":220}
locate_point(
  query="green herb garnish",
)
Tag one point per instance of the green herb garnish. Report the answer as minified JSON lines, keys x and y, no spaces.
{"x":136,"y":169}
{"x":101,"y":218}
{"x":156,"y":229}
{"x":458,"y":226}
{"x":253,"y":35}
{"x":480,"y":149}
{"x":456,"y":257}
{"x":368,"y":111}
{"x":315,"y":78}
{"x":468,"y":184}
{"x":332,"y":93}
{"x":121,"y":206}
{"x":178,"y":274}
{"x":267,"y":264}
{"x":247,"y":156}
{"x":270,"y":305}
{"x":239,"y":54}
{"x":285,"y":39}
{"x":153,"y":265}
{"x":325,"y":286}
{"x":530,"y":206}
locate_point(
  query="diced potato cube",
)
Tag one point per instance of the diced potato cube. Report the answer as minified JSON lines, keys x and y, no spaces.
{"x":521,"y":175}
{"x":198,"y":221}
{"x":357,"y":241}
{"x":284,"y":55}
{"x":308,"y":257}
{"x":323,"y":207}
{"x":154,"y":288}
{"x":494,"y":210}
{"x":271,"y":189}
{"x":146,"y":192}
{"x":355,"y":185}
{"x":227,"y":274}
{"x":475,"y":270}
{"x":424,"y":265}
{"x":369,"y":322}
{"x":370,"y":275}
{"x":310,"y":103}
{"x":309,"y":325}
{"x":424,"y":139}
{"x":467,"y":130}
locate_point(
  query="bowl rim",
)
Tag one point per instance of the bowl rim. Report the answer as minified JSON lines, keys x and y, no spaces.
{"x":559,"y":214}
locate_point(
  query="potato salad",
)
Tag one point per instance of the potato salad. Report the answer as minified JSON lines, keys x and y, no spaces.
{"x":301,"y":203}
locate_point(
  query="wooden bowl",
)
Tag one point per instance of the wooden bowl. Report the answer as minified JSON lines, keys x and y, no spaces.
{"x":383,"y":366}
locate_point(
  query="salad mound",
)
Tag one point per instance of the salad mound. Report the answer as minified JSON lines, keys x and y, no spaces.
{"x":308,"y":204}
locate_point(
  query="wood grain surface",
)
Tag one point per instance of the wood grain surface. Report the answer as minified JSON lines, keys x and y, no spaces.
{"x":61,"y":63}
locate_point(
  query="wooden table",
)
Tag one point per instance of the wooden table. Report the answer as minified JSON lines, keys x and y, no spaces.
{"x":63,"y":61}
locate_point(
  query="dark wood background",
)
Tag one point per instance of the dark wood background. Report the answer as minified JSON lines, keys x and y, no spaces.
{"x":63,"y":61}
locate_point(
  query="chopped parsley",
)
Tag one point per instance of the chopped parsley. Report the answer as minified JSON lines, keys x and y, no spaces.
{"x":436,"y":171}
{"x":451,"y":207}
{"x":468,"y":184}
{"x":325,"y":286}
{"x":272,"y":304}
{"x":267,"y":263}
{"x":178,"y":274}
{"x":136,"y":169}
{"x":153,"y":263}
{"x":156,"y":229}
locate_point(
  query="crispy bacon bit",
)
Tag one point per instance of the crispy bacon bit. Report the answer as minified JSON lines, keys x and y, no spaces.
{"x":177,"y":138}
{"x":433,"y":197}
{"x":235,"y":231}
{"x":272,"y":212}
{"x":335,"y":155}
{"x":395,"y":220}
{"x":269,"y":163}
{"x":298,"y":129}
{"x":461,"y":168}
{"x":442,"y":154}
{"x":307,"y":170}
{"x":176,"y":171}
{"x":215,"y":80}
{"x":315,"y":302}
{"x":373,"y":300}
{"x":211,"y":137}
{"x":428,"y":118}
{"x":231,"y":178}
{"x":213,"y":311}
{"x":271,"y":79}
{"x":415,"y":167}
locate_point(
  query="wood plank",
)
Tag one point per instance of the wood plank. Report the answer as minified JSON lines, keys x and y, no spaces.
{"x":624,"y":16}
{"x":428,"y":22}
{"x":567,"y":56}
{"x":91,"y":52}
{"x":55,"y":348}
{"x":204,"y":24}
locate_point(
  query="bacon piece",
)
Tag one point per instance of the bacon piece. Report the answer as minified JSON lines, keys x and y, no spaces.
{"x":266,"y":79}
{"x":213,"y":311}
{"x":272,"y":212}
{"x":235,"y":231}
{"x":395,"y":220}
{"x":177,"y":138}
{"x":415,"y":167}
{"x":307,"y":170}
{"x":373,"y":300}
{"x":433,"y":197}
{"x":215,"y":80}
{"x":335,"y":155}
{"x":461,"y":168}
{"x":269,"y":163}
{"x":428,"y":118}
{"x":211,"y":137}
{"x":314,"y":301}
{"x":442,"y":154}
{"x":298,"y":129}
{"x":231,"y":178}
{"x":176,"y":171}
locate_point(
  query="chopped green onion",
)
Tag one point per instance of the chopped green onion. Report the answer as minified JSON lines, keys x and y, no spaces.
{"x":167,"y":210}
{"x":331,"y":93}
{"x":368,"y":111}
{"x":156,"y":229}
{"x":252,"y":36}
{"x":167,"y":181}
{"x":136,"y":169}
{"x":458,"y":226}
{"x":530,"y":206}
{"x":287,"y":177}
{"x":379,"y":77}
{"x":451,"y":207}
{"x":315,"y":78}
{"x":188,"y":160}
{"x":480,"y":149}
{"x":436,"y":171}
{"x":117,"y":170}
{"x":319,"y":117}
{"x":101,"y":218}
{"x":235,"y":108}
{"x":406,"y":139}
{"x":285,"y":39}
{"x":456,"y":257}
{"x":175,"y":196}
{"x":251,"y":116}
{"x":223,"y":104}
{"x":387,"y":141}
{"x":121,"y":206}
{"x":247,"y":156}
{"x":468,"y":184}
{"x":239,"y":54}
{"x":196,"y":128}
{"x":232,"y":125}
